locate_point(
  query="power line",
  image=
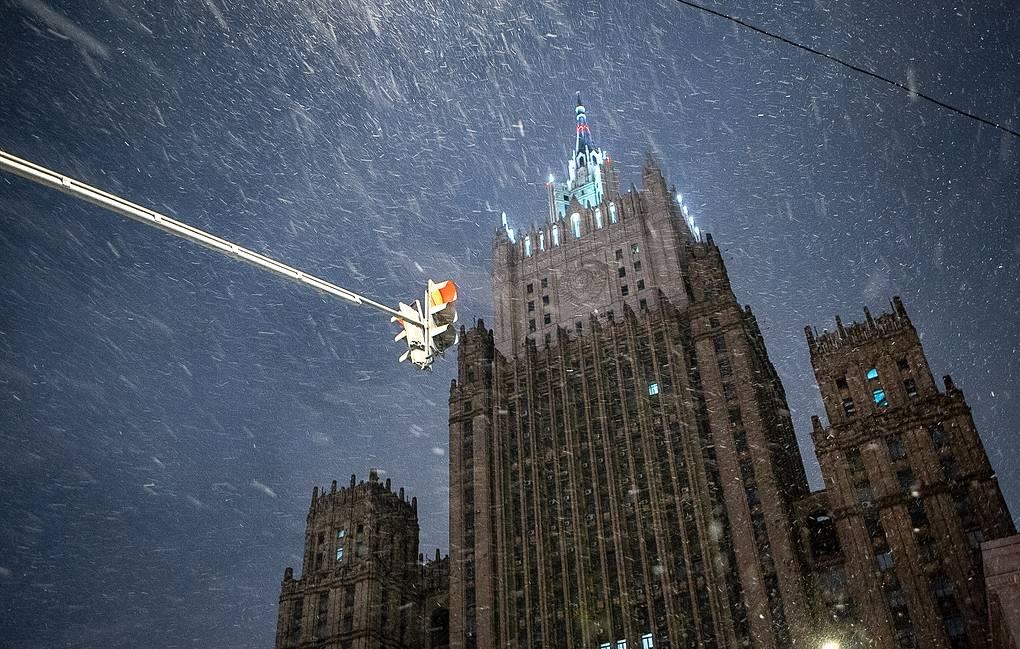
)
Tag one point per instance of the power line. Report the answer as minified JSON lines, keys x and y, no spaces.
{"x":855,"y":68}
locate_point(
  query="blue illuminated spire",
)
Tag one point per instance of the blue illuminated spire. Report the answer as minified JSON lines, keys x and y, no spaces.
{"x":584,"y":140}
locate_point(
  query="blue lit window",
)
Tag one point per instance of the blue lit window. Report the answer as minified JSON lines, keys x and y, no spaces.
{"x":872,"y":374}
{"x":339,"y":554}
{"x":646,"y":641}
{"x":575,"y":224}
{"x":879,"y":397}
{"x":556,"y":235}
{"x":612,"y":212}
{"x":541,"y":240}
{"x":653,"y":389}
{"x":527,"y":246}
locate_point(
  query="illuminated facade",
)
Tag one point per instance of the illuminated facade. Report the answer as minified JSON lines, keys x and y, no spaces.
{"x":622,"y":463}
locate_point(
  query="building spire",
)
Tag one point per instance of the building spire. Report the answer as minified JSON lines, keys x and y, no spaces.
{"x":583,"y":132}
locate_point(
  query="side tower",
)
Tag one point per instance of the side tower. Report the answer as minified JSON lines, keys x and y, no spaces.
{"x":910,"y":488}
{"x":622,"y":463}
{"x":361,"y":583}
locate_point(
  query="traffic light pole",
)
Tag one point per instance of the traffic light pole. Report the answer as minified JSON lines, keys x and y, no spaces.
{"x":67,"y":185}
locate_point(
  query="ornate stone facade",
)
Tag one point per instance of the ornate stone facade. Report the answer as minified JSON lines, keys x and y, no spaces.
{"x":363,"y":584}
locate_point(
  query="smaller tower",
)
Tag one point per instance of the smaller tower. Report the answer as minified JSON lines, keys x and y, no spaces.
{"x":361,"y":585}
{"x":911,"y":491}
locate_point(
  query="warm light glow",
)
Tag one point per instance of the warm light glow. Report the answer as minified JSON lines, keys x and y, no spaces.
{"x":830,"y":644}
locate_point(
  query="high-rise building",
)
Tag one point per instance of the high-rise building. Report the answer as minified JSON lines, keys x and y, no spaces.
{"x":623,"y":468}
{"x":363,"y":584}
{"x":895,"y":545}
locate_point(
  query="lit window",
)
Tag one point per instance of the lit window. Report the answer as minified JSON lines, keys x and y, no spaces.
{"x":527,"y":246}
{"x":646,"y":641}
{"x":879,"y":396}
{"x":575,"y":224}
{"x":621,"y":644}
{"x":339,"y":554}
{"x":341,"y":533}
{"x":605,"y":645}
{"x":612,"y":212}
{"x":541,"y":240}
{"x":653,"y":389}
{"x":848,"y":407}
{"x":598,"y":218}
{"x":556,"y":235}
{"x":872,"y":374}
{"x":634,"y":249}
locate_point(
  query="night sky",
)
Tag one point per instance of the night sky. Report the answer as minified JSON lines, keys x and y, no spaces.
{"x":165,"y":412}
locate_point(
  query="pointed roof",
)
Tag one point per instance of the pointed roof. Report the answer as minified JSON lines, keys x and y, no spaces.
{"x":584,"y":139}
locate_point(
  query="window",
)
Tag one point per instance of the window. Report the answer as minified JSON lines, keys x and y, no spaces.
{"x":598,"y":218}
{"x":641,"y":285}
{"x":531,"y":289}
{"x":941,"y":586}
{"x":545,"y":282}
{"x":619,"y":255}
{"x":903,"y":365}
{"x":849,"y":408}
{"x":548,"y":339}
{"x":621,"y":272}
{"x":713,"y":323}
{"x":938,"y":436}
{"x":896,"y":450}
{"x":643,"y":305}
{"x":863,"y":490}
{"x":575,"y":224}
{"x":719,"y":343}
{"x":531,"y":325}
{"x":612,"y":212}
{"x":555,"y":236}
{"x":735,"y":418}
{"x":725,"y":369}
{"x":975,"y":538}
{"x":872,"y":374}
{"x":637,"y":266}
{"x":621,"y":644}
{"x":878,"y":395}
{"x":911,"y":387}
{"x":905,"y":478}
{"x":531,"y":306}
{"x":885,"y":560}
{"x":541,"y":240}
{"x":653,"y":389}
{"x":918,"y":517}
{"x":855,"y":461}
{"x":634,"y":249}
{"x":545,"y":300}
{"x":752,"y":496}
{"x":339,"y":553}
{"x":547,"y":318}
{"x":624,"y":290}
{"x":729,"y":391}
{"x":841,"y":383}
{"x":578,"y":326}
{"x":527,"y":246}
{"x":646,"y":641}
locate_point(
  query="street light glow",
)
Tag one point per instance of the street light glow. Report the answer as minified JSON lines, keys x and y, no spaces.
{"x":830,"y":644}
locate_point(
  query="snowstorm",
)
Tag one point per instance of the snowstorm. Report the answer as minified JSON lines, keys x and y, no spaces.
{"x":166,"y":410}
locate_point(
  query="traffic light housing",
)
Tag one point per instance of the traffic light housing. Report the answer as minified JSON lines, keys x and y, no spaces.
{"x":442,"y":298}
{"x":431,"y":332}
{"x":413,"y":333}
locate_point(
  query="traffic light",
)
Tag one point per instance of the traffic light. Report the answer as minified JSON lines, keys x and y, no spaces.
{"x":414,"y":334}
{"x":442,"y":315}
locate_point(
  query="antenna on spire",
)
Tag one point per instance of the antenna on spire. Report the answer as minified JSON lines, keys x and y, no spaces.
{"x":583,"y":132}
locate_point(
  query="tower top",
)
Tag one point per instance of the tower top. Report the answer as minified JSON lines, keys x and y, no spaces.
{"x":584,"y":140}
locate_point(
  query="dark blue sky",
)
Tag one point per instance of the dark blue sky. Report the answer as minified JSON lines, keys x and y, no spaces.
{"x":165,"y":412}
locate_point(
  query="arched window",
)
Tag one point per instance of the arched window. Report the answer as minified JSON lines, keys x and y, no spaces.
{"x":575,"y":224}
{"x":598,"y":218}
{"x":541,"y":240}
{"x":556,"y":235}
{"x":527,"y":246}
{"x":612,"y":212}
